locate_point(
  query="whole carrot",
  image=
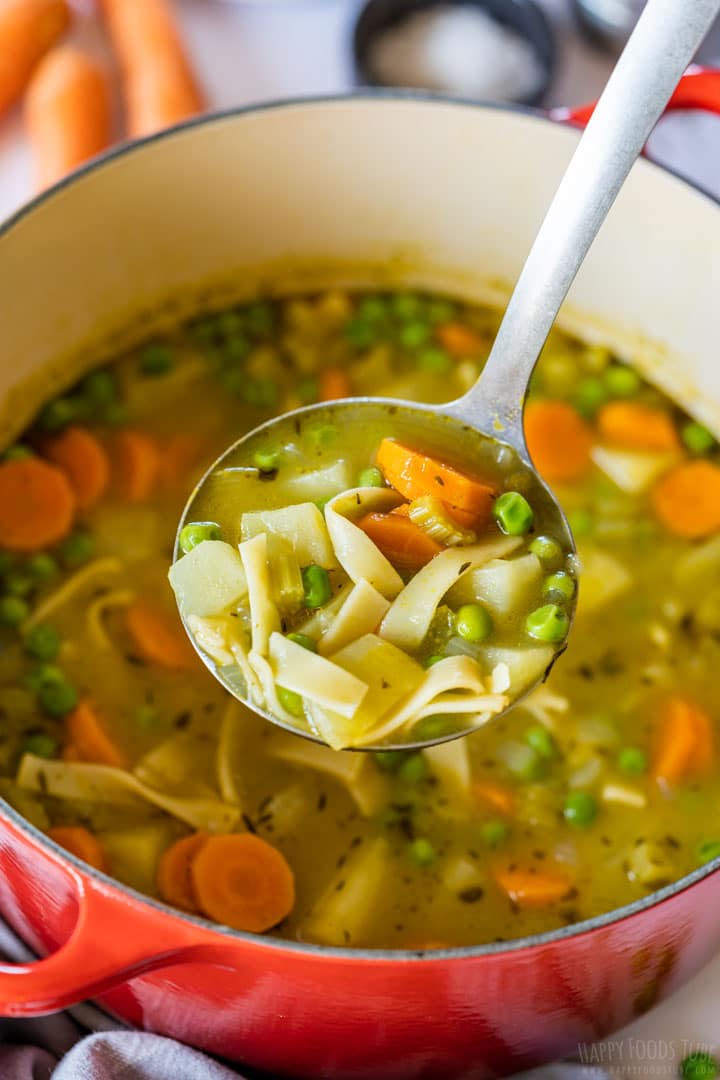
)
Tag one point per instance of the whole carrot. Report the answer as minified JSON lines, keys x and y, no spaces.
{"x":28,"y":28}
{"x":67,"y":113}
{"x":159,"y":85}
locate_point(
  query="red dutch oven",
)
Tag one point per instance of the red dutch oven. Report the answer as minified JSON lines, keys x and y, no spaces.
{"x":389,"y":188}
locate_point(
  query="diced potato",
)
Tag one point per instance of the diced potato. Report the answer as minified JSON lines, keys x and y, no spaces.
{"x":461,"y":873}
{"x":355,"y":772}
{"x":320,"y":483}
{"x":633,"y":471}
{"x":209,"y":580}
{"x":302,"y":525}
{"x":525,"y":666}
{"x":134,"y":853}
{"x":602,"y":579}
{"x":346,"y":906}
{"x":505,"y":586}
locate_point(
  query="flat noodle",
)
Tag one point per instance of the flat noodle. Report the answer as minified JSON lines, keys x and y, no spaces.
{"x":322,"y":619}
{"x":356,"y":772}
{"x":212,"y":633}
{"x":268,"y":689}
{"x":96,"y":612}
{"x":315,"y":678}
{"x":359,"y":557}
{"x":229,"y":727}
{"x":62,"y":596}
{"x":408,"y":620}
{"x":361,"y":614}
{"x":105,"y":784}
{"x":263,"y":613}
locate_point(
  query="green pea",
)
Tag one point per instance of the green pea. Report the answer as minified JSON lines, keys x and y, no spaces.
{"x":371,"y":477}
{"x":230,"y":323}
{"x":196,"y":532}
{"x":18,"y":584}
{"x":473,"y":622}
{"x":414,"y":334}
{"x":43,"y":675}
{"x":322,"y":435}
{"x":440,"y":310}
{"x":591,"y":393}
{"x":372,"y":309}
{"x":697,"y":438}
{"x":708,"y":850}
{"x":493,"y":833}
{"x":156,"y":359}
{"x":406,"y":306}
{"x":513,"y":513}
{"x":560,"y":585}
{"x":13,"y":611}
{"x":58,"y":414}
{"x":77,"y":549}
{"x":267,"y":460}
{"x":389,"y":760}
{"x":316,"y":584}
{"x":42,"y":642}
{"x":547,"y":550}
{"x":433,"y":727}
{"x":40,"y":744}
{"x":360,"y":333}
{"x":116,"y":414}
{"x":100,"y":387}
{"x":580,"y":808}
{"x":699,"y":1065}
{"x":541,"y":741}
{"x":548,"y":623}
{"x":304,"y":641}
{"x":632,"y":760}
{"x":57,"y":698}
{"x":259,"y":318}
{"x":581,"y":522}
{"x":41,"y":567}
{"x":146,"y":717}
{"x":236,"y":348}
{"x":17,"y":452}
{"x":421,"y":852}
{"x":262,"y":393}
{"x":290,"y":701}
{"x":431,"y":661}
{"x":621,"y":381}
{"x":434,"y":359}
{"x":413,"y":769}
{"x":308,"y":390}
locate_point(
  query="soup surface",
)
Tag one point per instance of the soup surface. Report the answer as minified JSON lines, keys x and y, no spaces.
{"x":599,"y":788}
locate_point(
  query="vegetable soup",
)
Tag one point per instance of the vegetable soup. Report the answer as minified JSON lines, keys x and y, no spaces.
{"x":598,"y":788}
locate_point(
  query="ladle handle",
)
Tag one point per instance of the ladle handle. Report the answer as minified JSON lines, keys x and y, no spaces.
{"x":661,"y":47}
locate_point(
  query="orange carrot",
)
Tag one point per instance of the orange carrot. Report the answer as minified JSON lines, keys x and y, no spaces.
{"x":70,"y":753}
{"x":243,"y":882}
{"x":37,"y":505}
{"x":404,"y":543}
{"x":686,"y":500}
{"x":533,"y":890}
{"x":160,"y":639}
{"x":685,"y":741}
{"x":84,"y":461}
{"x":497,"y":796}
{"x":460,"y":340}
{"x":67,"y":113}
{"x":174,"y":880}
{"x":633,"y":426}
{"x":334,"y":384}
{"x":415,"y":474}
{"x":28,"y":28}
{"x":88,"y":739}
{"x":81,"y":843}
{"x":178,"y":458}
{"x":558,"y":440}
{"x":137,"y":465}
{"x":160,"y":88}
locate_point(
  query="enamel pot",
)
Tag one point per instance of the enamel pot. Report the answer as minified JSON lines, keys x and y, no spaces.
{"x":362,"y":189}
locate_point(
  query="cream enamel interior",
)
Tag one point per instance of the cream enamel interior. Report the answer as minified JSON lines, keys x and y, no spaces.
{"x":443,"y":194}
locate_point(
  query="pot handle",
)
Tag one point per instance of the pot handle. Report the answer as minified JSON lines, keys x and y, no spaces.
{"x":699,"y":88}
{"x":114,"y":939}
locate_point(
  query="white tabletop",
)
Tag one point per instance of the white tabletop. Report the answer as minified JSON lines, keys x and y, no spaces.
{"x":279,"y":48}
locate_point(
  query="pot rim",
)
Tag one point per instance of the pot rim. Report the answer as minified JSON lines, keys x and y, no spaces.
{"x":333,"y":952}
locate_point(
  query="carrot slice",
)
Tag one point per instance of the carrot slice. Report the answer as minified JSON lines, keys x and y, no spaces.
{"x":404,"y":543}
{"x":460,"y":340}
{"x":88,"y":739}
{"x":160,"y":639}
{"x":137,"y":465}
{"x":83,"y":459}
{"x":497,"y":796}
{"x":174,"y":880}
{"x":81,"y":843}
{"x":633,"y":426}
{"x":37,"y":505}
{"x":686,"y":500}
{"x":179,"y":456}
{"x":533,"y":890}
{"x":415,"y":474}
{"x":28,"y":28}
{"x":334,"y":384}
{"x":243,"y":882}
{"x":559,"y":441}
{"x":685,"y":742}
{"x":67,"y":112}
{"x":159,"y":84}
